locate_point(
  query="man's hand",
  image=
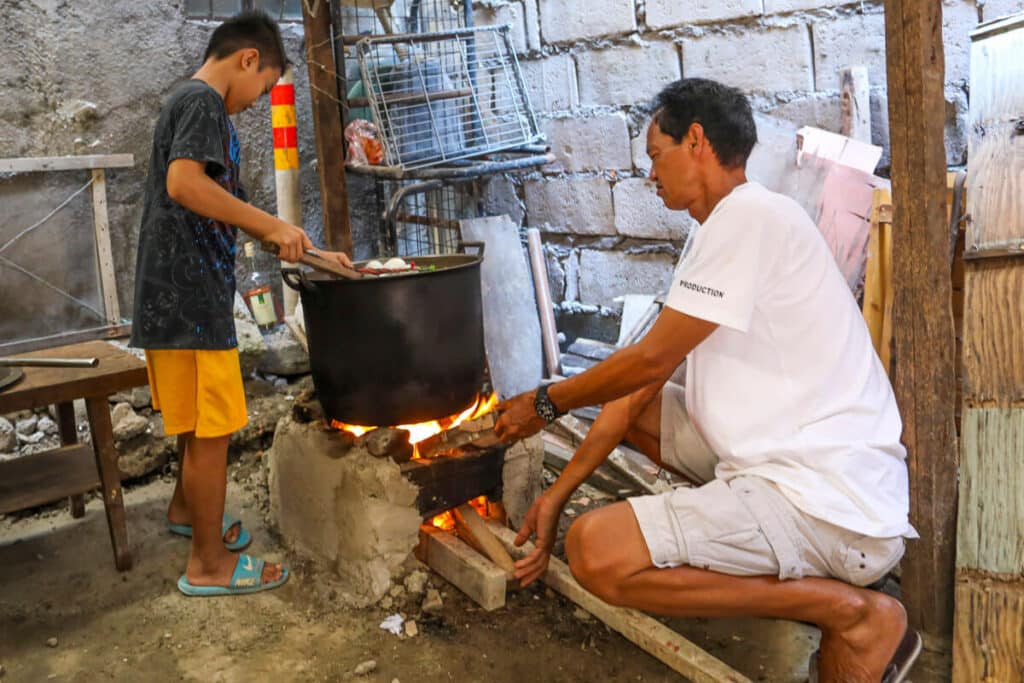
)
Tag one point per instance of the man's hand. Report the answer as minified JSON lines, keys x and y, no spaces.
{"x":518,"y":418}
{"x":292,"y":242}
{"x":542,"y":520}
{"x":339,"y":257}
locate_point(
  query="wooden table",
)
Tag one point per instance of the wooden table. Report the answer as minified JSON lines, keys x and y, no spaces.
{"x":74,"y":468}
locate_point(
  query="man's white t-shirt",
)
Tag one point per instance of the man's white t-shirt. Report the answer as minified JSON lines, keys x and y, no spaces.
{"x":789,"y":387}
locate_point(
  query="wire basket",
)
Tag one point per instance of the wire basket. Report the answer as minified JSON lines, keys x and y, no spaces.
{"x":379,"y":17}
{"x":448,"y":95}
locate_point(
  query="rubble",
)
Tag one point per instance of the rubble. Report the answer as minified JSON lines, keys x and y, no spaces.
{"x":46,"y":425}
{"x":127,"y":424}
{"x":433,"y":602}
{"x":8,"y":437}
{"x":369,"y":666}
{"x":285,"y":355}
{"x":251,"y":347}
{"x":416,"y":582}
{"x":26,"y":426}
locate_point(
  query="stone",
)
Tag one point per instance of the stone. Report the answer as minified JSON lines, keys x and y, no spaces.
{"x":138,"y":397}
{"x":820,"y":110}
{"x":582,"y":206}
{"x":264,"y":414}
{"x":959,"y":18}
{"x":665,"y":13}
{"x":757,"y":60}
{"x":844,"y":42}
{"x":432,"y":603}
{"x":783,"y":6}
{"x":994,"y":9}
{"x":51,"y":642}
{"x":144,"y":455}
{"x":638,"y":150}
{"x":605,"y":275}
{"x":251,"y":347}
{"x":385,"y":442}
{"x":556,"y":273}
{"x":416,"y":582}
{"x":387,"y":602}
{"x":411,"y":629}
{"x":32,"y":438}
{"x":593,"y":143}
{"x":570,"y":20}
{"x":572,"y":276}
{"x":639,"y":212}
{"x":8,"y":437}
{"x":127,"y":424}
{"x":27,"y":425}
{"x":397,"y":592}
{"x":500,"y":197}
{"x":521,"y":477}
{"x":531,"y":15}
{"x":366,"y":667}
{"x":285,"y":355}
{"x":354,"y":514}
{"x":627,"y":74}
{"x":551,"y":83}
{"x":46,"y":425}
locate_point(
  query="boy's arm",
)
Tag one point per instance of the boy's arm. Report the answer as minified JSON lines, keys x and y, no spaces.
{"x":188,"y":184}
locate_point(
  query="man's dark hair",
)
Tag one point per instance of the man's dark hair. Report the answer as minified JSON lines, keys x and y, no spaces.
{"x":724,"y":113}
{"x":249,"y":30}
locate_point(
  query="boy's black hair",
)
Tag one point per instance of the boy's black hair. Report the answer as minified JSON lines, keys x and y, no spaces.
{"x":249,"y":30}
{"x":724,"y":112}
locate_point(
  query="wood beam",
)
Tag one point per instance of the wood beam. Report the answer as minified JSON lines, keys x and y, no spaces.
{"x":330,"y":150}
{"x":923,"y":336}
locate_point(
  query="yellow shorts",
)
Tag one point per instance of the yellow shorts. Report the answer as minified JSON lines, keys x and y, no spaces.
{"x":197,"y":391}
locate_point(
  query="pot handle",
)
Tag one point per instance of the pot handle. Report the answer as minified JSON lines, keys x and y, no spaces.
{"x":296,"y":279}
{"x":479,"y":246}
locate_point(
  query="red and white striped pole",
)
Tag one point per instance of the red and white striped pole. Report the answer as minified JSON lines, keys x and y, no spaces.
{"x":286,"y":163}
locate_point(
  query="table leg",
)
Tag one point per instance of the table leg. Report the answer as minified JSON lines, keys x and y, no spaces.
{"x":110,"y":478}
{"x":68,"y":436}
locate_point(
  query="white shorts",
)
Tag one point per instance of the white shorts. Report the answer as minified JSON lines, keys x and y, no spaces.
{"x":746,"y":526}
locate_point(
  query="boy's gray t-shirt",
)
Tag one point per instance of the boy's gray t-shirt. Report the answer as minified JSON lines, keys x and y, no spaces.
{"x":185,"y":271}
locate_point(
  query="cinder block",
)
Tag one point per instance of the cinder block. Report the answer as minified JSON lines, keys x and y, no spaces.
{"x":510,"y":13}
{"x":532,"y":17}
{"x":589,"y":144}
{"x":605,"y":275}
{"x":565,"y":21}
{"x":994,"y":9}
{"x":855,"y":40}
{"x":783,"y":6}
{"x":638,"y":148}
{"x":762,"y":60}
{"x":572,"y":277}
{"x":958,"y":20}
{"x":570,"y":205}
{"x":551,"y":83}
{"x":639,"y":212}
{"x":820,"y":110}
{"x":665,"y":13}
{"x":626,"y":74}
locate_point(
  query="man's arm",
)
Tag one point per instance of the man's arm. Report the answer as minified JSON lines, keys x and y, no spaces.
{"x":652,"y":360}
{"x":188,"y":184}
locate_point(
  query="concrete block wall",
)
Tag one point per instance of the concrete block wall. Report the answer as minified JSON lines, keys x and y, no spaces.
{"x":596,"y":64}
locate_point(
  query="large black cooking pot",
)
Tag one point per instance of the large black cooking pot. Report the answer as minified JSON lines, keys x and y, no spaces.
{"x":397,"y":349}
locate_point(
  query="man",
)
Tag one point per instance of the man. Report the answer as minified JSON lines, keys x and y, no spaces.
{"x":787,"y":422}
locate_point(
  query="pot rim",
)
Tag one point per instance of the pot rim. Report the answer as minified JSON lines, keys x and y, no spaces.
{"x":462,"y":262}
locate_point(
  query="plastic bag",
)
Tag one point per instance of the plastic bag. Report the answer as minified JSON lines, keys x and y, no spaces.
{"x":364,"y":146}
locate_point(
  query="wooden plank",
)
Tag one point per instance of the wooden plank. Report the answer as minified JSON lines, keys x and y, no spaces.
{"x":330,"y":145}
{"x":989,"y":643}
{"x":84,"y":162}
{"x":46,"y":477}
{"x":996,"y":178}
{"x":873,"y":307}
{"x":922,"y":323}
{"x":463,"y":567}
{"x":592,"y":348}
{"x":117,"y":371}
{"x":616,"y":459}
{"x":650,"y":635}
{"x":993,"y":344}
{"x":990,"y":533}
{"x":482,"y":536}
{"x":452,"y":480}
{"x":68,"y":427}
{"x":855,"y":103}
{"x":889,"y":287}
{"x":65,"y":338}
{"x":104,"y":256}
{"x":558,"y":453}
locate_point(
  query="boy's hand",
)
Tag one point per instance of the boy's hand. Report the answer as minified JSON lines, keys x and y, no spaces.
{"x":292,"y":242}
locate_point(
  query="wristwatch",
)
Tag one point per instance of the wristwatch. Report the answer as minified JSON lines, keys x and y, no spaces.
{"x":544,"y":406}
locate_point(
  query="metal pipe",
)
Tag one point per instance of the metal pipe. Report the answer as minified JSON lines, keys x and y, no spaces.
{"x":473,"y":169}
{"x":50,"y":362}
{"x":286,"y":164}
{"x":545,"y":307}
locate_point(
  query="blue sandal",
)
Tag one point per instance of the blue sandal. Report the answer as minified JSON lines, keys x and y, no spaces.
{"x":241,"y":543}
{"x":245,"y":579}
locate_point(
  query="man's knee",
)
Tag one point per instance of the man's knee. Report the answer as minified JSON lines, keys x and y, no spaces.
{"x":595,"y":570}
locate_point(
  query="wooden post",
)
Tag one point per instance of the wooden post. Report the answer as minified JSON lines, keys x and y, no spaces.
{"x":855,"y":103}
{"x":330,"y":150}
{"x":923,"y":337}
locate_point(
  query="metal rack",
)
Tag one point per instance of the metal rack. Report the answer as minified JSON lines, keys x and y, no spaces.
{"x":450,"y":105}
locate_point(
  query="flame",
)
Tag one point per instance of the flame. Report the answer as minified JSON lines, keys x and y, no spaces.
{"x":424,"y":430}
{"x":446,"y":520}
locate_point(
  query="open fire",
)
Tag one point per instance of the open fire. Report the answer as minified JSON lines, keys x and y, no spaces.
{"x":424,"y":430}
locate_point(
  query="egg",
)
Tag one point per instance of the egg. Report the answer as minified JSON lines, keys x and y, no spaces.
{"x":375,"y":265}
{"x":395,"y":264}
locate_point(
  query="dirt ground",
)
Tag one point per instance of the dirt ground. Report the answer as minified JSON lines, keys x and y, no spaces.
{"x":57,"y":581}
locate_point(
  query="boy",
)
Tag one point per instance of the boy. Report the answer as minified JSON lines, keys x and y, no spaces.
{"x":185,"y":289}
